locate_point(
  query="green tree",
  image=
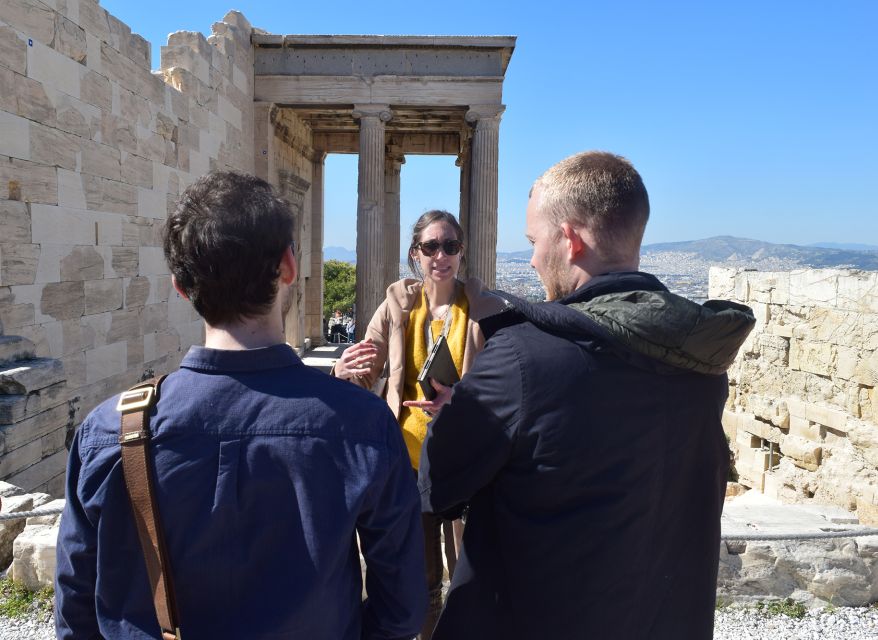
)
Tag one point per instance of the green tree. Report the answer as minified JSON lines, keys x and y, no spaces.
{"x":339,"y":286}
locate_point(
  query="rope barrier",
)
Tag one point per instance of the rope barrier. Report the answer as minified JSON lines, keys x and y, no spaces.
{"x":815,"y":535}
{"x":30,"y":514}
{"x":735,"y":537}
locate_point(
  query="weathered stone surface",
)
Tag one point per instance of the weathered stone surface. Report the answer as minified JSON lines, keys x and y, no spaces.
{"x":105,"y":362}
{"x":96,"y":90}
{"x":45,"y":472}
{"x":23,"y":378}
{"x":137,"y":292}
{"x":63,"y":300}
{"x":102,"y":194}
{"x":32,"y":101}
{"x":33,"y":18}
{"x":103,"y":295}
{"x":15,"y":408}
{"x":53,"y":147}
{"x":101,"y":160}
{"x":34,"y":552}
{"x":125,"y":325}
{"x":18,"y":263}
{"x":28,"y":181}
{"x":137,"y":171}
{"x":69,"y":39}
{"x":15,"y":221}
{"x":13,"y":50}
{"x":15,"y":136}
{"x":126,"y":261}
{"x":155,"y":317}
{"x":10,"y":529}
{"x":17,"y":435}
{"x":13,"y":348}
{"x":54,"y":69}
{"x":82,"y":263}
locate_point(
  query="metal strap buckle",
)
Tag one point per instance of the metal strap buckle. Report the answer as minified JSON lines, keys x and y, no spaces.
{"x":136,"y":399}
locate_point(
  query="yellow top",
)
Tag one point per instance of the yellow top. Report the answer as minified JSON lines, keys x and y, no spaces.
{"x":413,"y":420}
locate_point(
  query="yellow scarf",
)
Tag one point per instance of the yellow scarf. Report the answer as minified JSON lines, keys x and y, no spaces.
{"x":413,"y":420}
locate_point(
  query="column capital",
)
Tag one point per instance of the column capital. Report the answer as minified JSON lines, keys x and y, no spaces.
{"x":380,"y":111}
{"x":485,"y":114}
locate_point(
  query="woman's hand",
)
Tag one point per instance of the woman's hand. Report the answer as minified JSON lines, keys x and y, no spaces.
{"x":356,"y":360}
{"x":431,"y":407}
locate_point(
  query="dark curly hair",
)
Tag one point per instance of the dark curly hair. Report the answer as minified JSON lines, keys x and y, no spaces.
{"x":224,"y":242}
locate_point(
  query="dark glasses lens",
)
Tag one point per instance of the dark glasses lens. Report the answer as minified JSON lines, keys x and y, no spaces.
{"x":449,"y":247}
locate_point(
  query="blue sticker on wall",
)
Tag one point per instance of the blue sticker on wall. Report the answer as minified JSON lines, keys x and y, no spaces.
{"x":30,"y":42}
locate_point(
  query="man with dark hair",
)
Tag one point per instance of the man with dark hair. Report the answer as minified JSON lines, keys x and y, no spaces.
{"x":266,"y":471}
{"x":586,"y":439}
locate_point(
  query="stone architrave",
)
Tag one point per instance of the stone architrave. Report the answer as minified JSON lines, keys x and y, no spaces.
{"x":482,"y":213}
{"x":370,"y":211}
{"x":393,"y":167}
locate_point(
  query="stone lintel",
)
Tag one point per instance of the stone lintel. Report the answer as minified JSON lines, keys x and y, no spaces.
{"x":30,"y":375}
{"x":445,"y":144}
{"x":411,"y":90}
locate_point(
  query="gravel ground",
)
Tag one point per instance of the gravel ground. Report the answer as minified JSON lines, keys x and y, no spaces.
{"x":731,"y":624}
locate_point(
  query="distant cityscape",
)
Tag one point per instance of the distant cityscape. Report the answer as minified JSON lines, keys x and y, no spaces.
{"x":684,"y":266}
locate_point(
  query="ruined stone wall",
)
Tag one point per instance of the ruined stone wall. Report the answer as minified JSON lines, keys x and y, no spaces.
{"x":94,"y":150}
{"x":802,"y":414}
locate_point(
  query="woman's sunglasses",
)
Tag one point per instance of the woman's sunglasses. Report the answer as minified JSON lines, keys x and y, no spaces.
{"x":449,"y":247}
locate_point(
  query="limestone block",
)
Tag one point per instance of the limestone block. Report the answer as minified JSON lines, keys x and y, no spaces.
{"x":846,"y":360}
{"x":76,"y":117}
{"x":34,"y":551}
{"x":15,"y":220}
{"x":15,"y":408}
{"x":131,"y":107}
{"x":137,"y":292}
{"x":132,"y":46}
{"x":806,"y":429}
{"x":13,"y":348}
{"x":186,"y":58}
{"x":155,"y":317}
{"x":13,"y":50}
{"x":773,"y":349}
{"x":151,"y":203}
{"x":95,"y":90}
{"x":15,"y":316}
{"x":82,"y":263}
{"x":120,"y":68}
{"x":126,"y":261}
{"x":31,"y":182}
{"x":18,"y":263}
{"x":814,"y":287}
{"x":10,"y":529}
{"x":32,"y":18}
{"x":54,"y":69}
{"x":760,"y":428}
{"x":731,"y":422}
{"x":137,"y":171}
{"x":61,"y":225}
{"x":14,"y":136}
{"x":863,"y":435}
{"x":125,"y":325}
{"x":15,"y":460}
{"x":71,"y":193}
{"x":62,"y":300}
{"x":69,"y":39}
{"x":74,"y":370}
{"x":858,"y":291}
{"x":769,"y":409}
{"x":803,"y":453}
{"x":867,"y":512}
{"x":8,"y":490}
{"x":53,"y":147}
{"x":243,"y":81}
{"x":31,"y":375}
{"x":150,"y":145}
{"x":160,"y":289}
{"x":32,"y":429}
{"x":32,"y":101}
{"x":773,"y":288}
{"x":103,"y":194}
{"x":101,"y":160}
{"x":104,"y":362}
{"x":152,"y":261}
{"x":40,"y":475}
{"x":827,"y":416}
{"x":179,"y":102}
{"x":813,"y":357}
{"x":93,"y":18}
{"x":103,"y":295}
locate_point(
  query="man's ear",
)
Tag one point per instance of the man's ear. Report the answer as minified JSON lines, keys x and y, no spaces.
{"x":288,"y":267}
{"x":574,"y":243}
{"x":178,"y":288}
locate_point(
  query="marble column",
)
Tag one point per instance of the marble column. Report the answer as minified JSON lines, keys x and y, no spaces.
{"x":314,"y":291}
{"x":370,"y":211}
{"x":482,"y":213}
{"x":392,"y":168}
{"x":463,"y":161}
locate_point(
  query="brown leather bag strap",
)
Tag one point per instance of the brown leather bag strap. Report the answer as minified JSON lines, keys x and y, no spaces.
{"x":135,"y":405}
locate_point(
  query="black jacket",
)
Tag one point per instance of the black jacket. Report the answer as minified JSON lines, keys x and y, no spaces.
{"x":587,"y":442}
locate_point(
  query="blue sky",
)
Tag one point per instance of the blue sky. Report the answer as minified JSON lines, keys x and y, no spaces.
{"x":749,"y":118}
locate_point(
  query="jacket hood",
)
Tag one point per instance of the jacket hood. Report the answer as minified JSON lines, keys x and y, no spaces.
{"x":636,"y":317}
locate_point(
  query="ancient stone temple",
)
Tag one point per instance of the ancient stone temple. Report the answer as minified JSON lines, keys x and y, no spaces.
{"x":95,"y":149}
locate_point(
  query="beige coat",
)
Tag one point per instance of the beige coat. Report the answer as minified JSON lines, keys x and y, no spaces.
{"x":388,"y":327}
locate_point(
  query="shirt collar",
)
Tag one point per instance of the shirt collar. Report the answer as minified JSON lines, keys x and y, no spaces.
{"x":274,"y":357}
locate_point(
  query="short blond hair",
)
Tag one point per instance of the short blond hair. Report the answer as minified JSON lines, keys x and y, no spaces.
{"x":603,"y":193}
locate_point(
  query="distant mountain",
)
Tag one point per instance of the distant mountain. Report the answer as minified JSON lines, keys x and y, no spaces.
{"x":849,"y":246}
{"x":731,"y":249}
{"x":339,"y":253}
{"x":516,"y":256}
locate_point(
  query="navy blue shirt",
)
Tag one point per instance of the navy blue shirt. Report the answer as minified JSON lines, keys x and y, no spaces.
{"x":267,"y":474}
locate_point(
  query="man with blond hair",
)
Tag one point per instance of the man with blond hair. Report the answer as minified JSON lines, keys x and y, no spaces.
{"x":586,"y":439}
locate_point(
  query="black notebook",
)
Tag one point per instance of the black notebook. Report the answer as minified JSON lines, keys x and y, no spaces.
{"x":439,"y":366}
